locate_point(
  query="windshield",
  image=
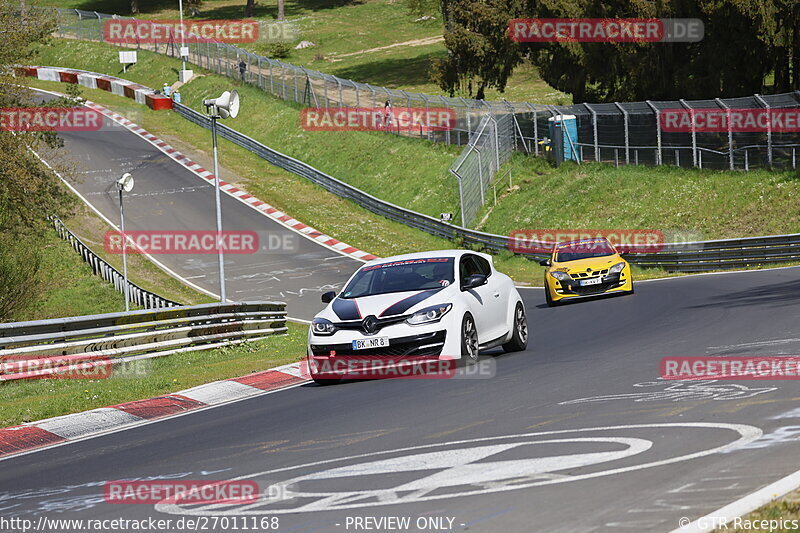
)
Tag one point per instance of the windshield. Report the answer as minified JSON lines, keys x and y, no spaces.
{"x":583,"y":250}
{"x":399,"y":276}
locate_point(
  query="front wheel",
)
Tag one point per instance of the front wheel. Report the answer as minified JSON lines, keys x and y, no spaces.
{"x":325,"y":382}
{"x":547,"y":297}
{"x":519,"y":339}
{"x":469,"y":339}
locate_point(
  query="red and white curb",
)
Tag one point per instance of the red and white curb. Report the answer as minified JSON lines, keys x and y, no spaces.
{"x":89,"y":78}
{"x":62,"y":429}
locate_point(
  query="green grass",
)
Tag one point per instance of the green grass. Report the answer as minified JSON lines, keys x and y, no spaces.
{"x":345,"y":27}
{"x":786,"y":508}
{"x":717,"y":204}
{"x":67,"y":285}
{"x":90,"y":229}
{"x":30,"y":400}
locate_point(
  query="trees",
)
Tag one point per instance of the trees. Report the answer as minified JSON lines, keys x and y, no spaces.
{"x":744,"y":41}
{"x":28,"y":190}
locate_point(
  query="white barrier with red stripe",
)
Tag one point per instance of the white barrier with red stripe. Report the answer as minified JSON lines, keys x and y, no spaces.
{"x":141,"y":94}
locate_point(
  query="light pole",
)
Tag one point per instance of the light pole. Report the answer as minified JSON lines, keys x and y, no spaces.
{"x":184,"y":75}
{"x":183,"y":60}
{"x":227,"y":105}
{"x":125,"y":183}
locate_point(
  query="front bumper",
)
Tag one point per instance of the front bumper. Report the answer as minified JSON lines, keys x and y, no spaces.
{"x":619,"y":282}
{"x":412,"y":355}
{"x":428,"y":344}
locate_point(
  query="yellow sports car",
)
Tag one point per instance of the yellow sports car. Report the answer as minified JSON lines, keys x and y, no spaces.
{"x":580,"y":269}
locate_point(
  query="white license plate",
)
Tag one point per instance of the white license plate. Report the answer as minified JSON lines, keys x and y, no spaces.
{"x":366,"y":344}
{"x":595,"y":281}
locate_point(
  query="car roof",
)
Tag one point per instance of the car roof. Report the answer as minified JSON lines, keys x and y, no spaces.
{"x":564,"y":244}
{"x":455,"y":253}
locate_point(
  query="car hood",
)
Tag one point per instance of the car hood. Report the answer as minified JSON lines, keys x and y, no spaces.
{"x":581,"y":265}
{"x":383,"y":305}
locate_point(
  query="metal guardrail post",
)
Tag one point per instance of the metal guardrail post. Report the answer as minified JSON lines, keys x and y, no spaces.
{"x":694,"y":132}
{"x":535,"y":129}
{"x":594,"y":131}
{"x":627,"y":138}
{"x":769,"y":127}
{"x":727,"y":109}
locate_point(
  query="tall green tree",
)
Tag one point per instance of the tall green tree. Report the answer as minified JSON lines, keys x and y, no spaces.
{"x":28,"y":190}
{"x":744,"y":40}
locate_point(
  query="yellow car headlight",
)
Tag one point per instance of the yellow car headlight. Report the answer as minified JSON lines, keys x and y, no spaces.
{"x":617,"y":268}
{"x":561,"y":276}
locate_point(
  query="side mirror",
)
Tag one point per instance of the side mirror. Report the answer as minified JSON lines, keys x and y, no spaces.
{"x":475,"y":280}
{"x":545,"y":262}
{"x":327,"y":297}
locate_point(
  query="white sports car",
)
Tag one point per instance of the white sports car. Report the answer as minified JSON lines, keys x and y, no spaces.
{"x":441,"y":304}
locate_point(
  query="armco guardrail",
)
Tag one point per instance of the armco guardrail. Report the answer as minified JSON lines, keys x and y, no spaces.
{"x":49,"y":346}
{"x":686,"y":257}
{"x":100,"y":267}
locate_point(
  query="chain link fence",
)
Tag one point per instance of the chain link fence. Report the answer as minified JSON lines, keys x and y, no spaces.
{"x":480,"y":161}
{"x":618,"y":133}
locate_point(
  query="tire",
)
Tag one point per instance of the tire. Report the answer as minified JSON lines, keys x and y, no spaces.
{"x":548,"y":299}
{"x":469,"y":339}
{"x":325,"y":382}
{"x":519,"y":339}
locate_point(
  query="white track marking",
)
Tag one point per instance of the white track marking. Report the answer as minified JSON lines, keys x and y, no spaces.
{"x":746,"y":434}
{"x":743,"y":506}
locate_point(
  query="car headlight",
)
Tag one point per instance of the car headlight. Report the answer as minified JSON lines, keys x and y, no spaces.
{"x":429,"y":314}
{"x":616,"y":268}
{"x":322,"y":326}
{"x":561,"y":276}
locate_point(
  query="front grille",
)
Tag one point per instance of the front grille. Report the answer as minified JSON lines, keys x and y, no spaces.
{"x":612,"y":281}
{"x":357,"y":325}
{"x":425,"y":344}
{"x":588,"y":275}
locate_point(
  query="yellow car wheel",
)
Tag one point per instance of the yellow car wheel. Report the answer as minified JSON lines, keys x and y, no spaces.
{"x":547,"y":297}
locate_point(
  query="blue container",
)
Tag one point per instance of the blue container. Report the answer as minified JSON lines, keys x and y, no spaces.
{"x":569,"y":131}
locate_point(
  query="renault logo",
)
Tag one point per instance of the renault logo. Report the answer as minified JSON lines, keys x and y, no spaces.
{"x":370,"y":324}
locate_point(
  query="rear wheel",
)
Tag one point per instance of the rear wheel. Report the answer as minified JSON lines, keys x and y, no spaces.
{"x":325,"y":381}
{"x":469,"y":339}
{"x":519,"y":339}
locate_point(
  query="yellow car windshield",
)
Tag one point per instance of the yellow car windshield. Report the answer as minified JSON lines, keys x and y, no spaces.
{"x":583,"y":250}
